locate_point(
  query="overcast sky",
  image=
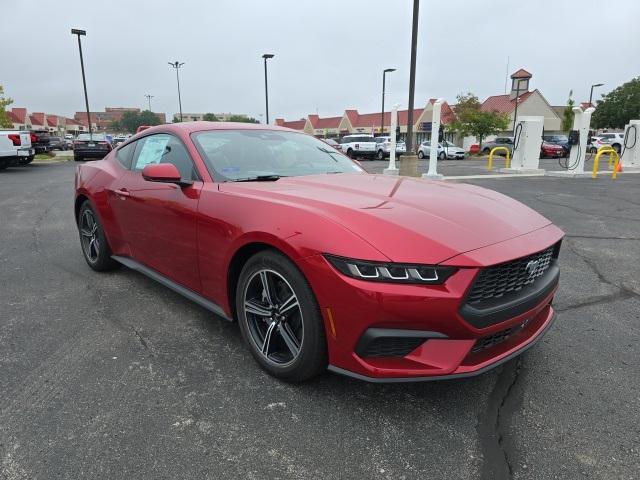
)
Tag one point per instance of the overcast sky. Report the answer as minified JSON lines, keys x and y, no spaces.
{"x":329,"y":54}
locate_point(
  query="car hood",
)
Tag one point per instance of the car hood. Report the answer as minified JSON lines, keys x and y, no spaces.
{"x":406,"y":219}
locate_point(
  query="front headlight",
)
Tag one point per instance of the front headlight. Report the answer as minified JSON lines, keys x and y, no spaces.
{"x":391,"y":272}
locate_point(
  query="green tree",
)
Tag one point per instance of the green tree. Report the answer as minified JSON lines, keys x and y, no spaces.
{"x":242,"y":119}
{"x":567,"y":115}
{"x":618,"y":106}
{"x":4,"y":103}
{"x":130,"y":121}
{"x":471,"y":120}
{"x":209,"y":117}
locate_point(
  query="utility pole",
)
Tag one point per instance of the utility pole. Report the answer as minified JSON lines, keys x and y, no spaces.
{"x":412,"y":77}
{"x":177,"y":65}
{"x":79,"y":33}
{"x":149,"y":97}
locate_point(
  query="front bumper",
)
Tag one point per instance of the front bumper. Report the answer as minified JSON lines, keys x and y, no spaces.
{"x":352,"y":308}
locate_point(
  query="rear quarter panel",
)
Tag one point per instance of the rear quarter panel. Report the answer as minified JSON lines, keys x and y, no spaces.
{"x":93,"y":180}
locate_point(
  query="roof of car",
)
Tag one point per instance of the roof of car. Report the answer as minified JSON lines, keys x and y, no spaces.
{"x":190,"y":127}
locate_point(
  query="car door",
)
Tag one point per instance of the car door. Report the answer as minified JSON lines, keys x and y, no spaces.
{"x":159,"y":219}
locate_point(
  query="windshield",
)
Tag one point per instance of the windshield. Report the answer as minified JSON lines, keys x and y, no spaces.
{"x":246,"y":154}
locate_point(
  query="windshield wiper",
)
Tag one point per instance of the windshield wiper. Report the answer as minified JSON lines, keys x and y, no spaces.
{"x":329,"y":152}
{"x":259,"y":178}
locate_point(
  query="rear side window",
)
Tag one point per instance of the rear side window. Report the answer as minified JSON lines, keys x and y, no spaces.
{"x":164,"y":148}
{"x":123,"y":154}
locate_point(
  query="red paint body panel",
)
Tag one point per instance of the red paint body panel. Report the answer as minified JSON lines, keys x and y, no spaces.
{"x":191,"y":234}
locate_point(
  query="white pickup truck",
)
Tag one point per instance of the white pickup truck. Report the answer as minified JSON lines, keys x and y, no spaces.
{"x":15,"y":148}
{"x":359,"y":146}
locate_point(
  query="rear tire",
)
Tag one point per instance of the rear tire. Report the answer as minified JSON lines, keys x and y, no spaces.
{"x":350,"y":154}
{"x":77,"y":158}
{"x":283,"y":327}
{"x":93,"y":241}
{"x":486,"y":151}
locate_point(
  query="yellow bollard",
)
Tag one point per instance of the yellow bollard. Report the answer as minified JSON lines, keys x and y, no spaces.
{"x":613,"y":155}
{"x":493,"y":150}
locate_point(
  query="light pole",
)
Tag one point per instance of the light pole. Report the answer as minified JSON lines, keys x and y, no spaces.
{"x":384,"y":73}
{"x":591,"y":94}
{"x":79,"y":33}
{"x":412,"y":77}
{"x":177,"y":65}
{"x":515,"y":113}
{"x":149,"y":97}
{"x":266,"y":56}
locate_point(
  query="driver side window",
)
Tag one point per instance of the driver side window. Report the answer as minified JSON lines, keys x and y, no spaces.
{"x":164,"y":148}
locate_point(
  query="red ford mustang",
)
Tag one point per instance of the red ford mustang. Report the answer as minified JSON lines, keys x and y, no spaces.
{"x":323,"y":265}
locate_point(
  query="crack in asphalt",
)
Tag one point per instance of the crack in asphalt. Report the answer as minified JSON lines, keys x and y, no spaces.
{"x":493,"y":425}
{"x":546,"y":201}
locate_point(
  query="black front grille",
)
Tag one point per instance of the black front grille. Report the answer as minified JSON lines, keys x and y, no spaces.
{"x":391,"y":346}
{"x":493,"y":340}
{"x":505,"y":280}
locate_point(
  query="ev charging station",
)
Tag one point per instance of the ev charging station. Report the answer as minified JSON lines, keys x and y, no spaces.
{"x":432,"y":173}
{"x":630,"y":153}
{"x":578,"y":140}
{"x":527,"y":140}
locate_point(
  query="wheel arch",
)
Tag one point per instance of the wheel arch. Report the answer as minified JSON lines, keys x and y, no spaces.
{"x":240,"y":258}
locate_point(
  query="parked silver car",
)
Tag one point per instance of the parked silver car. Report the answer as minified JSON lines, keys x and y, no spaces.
{"x":498,"y":142}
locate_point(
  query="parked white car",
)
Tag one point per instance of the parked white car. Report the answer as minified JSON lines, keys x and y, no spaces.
{"x":614,"y":140}
{"x":15,"y":148}
{"x":359,"y":146}
{"x":446,"y":150}
{"x":383,"y":147}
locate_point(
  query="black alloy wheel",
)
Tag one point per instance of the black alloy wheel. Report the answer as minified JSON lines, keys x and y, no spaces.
{"x":279,"y":318}
{"x":93,"y":241}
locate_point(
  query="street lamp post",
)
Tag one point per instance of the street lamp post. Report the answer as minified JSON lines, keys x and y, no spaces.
{"x":384,"y":73}
{"x":412,"y":77}
{"x":149,"y":97}
{"x":591,"y":94}
{"x":79,"y":33}
{"x":266,"y":56}
{"x":177,"y":65}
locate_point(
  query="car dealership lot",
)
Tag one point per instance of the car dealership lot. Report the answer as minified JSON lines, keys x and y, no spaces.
{"x":114,"y":376}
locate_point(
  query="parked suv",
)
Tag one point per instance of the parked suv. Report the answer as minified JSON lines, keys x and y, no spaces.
{"x":383,"y":147}
{"x":40,"y":141}
{"x":498,"y":142}
{"x":359,"y":145}
{"x":57,"y":143}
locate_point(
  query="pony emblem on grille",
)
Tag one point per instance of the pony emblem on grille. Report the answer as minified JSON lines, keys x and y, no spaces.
{"x":532,"y":267}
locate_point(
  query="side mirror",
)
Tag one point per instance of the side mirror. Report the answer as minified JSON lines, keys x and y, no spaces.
{"x":163,"y":173}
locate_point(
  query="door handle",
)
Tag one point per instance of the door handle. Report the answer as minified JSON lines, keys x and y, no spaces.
{"x":123,"y":192}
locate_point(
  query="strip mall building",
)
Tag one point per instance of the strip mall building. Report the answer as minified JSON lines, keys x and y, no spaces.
{"x":351,"y":121}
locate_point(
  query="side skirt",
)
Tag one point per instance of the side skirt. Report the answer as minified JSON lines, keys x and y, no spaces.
{"x":176,"y":287}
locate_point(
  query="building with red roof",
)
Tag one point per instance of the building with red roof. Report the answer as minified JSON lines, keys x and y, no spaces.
{"x":529,"y":102}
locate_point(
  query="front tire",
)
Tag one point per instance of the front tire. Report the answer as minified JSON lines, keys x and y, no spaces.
{"x":420,"y":154}
{"x":280,"y":319}
{"x":442,"y":156}
{"x":380,"y":155}
{"x":94,"y":244}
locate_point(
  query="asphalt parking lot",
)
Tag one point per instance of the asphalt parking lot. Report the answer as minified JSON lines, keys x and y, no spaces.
{"x":113,"y":376}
